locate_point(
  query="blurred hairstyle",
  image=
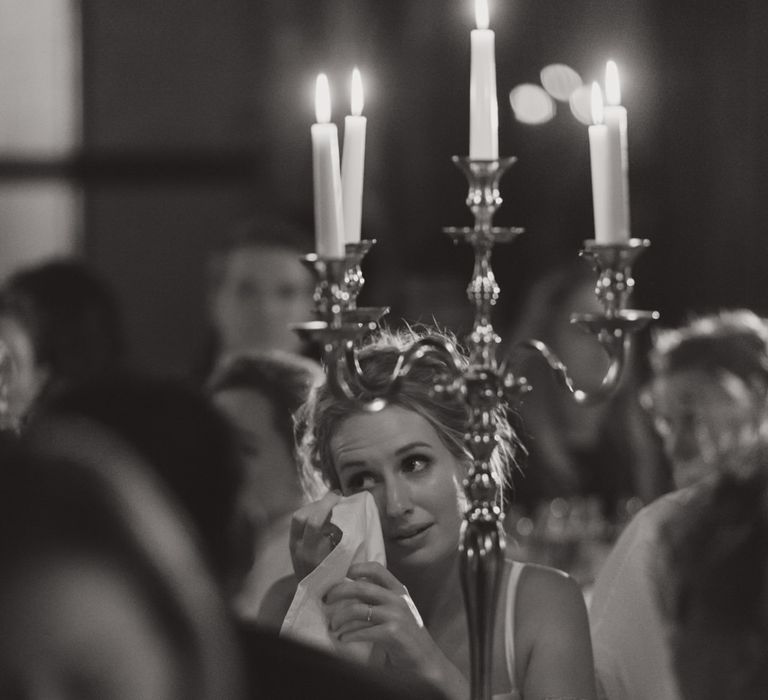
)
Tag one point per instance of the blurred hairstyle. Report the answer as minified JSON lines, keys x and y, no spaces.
{"x":72,"y":316}
{"x":735,"y":341}
{"x":84,"y":495}
{"x":284,"y":379}
{"x":324,"y":412}
{"x":183,"y":438}
{"x":263,"y":231}
{"x":714,"y":594}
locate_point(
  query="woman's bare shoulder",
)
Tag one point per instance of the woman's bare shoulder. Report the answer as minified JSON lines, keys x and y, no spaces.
{"x":552,"y":632}
{"x":546,"y":593}
{"x":276,"y":602}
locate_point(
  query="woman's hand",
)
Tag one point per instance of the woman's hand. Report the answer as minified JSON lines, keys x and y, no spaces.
{"x":313,"y":536}
{"x":375,"y":607}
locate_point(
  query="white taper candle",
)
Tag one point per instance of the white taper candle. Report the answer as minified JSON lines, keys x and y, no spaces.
{"x":329,"y":220}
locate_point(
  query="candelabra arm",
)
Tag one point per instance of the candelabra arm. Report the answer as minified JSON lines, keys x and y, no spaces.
{"x":355,"y":371}
{"x":382,"y":389}
{"x":336,"y":376}
{"x":448,"y":354}
{"x":345,"y":382}
{"x":614,"y":328}
{"x":617,"y":350}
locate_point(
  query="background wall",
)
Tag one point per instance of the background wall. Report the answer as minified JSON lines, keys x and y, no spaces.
{"x":40,"y":129}
{"x":197,"y":113}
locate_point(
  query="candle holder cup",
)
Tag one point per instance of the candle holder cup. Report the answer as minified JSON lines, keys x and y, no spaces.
{"x":613,"y":264}
{"x":354,"y":281}
{"x":339,"y":323}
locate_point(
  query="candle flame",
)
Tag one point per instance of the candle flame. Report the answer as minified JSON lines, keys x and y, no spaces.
{"x":481,"y":14}
{"x":597,"y":104}
{"x":322,"y":99}
{"x":612,"y":85}
{"x":357,"y":93}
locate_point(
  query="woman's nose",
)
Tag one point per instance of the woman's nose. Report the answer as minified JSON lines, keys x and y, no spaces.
{"x":397,"y":497}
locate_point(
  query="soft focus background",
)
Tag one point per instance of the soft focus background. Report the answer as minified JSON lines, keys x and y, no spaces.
{"x":139,"y":133}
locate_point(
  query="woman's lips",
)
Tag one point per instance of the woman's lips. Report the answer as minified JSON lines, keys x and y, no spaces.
{"x":406,"y":536}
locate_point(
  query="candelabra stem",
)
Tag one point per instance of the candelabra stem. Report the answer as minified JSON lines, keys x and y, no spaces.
{"x":483,"y":291}
{"x":481,"y":566}
{"x":482,"y":538}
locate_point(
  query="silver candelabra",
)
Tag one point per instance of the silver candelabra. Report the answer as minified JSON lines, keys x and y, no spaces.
{"x":486,"y":383}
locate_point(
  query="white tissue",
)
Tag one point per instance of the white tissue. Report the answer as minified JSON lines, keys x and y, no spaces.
{"x":358,"y":519}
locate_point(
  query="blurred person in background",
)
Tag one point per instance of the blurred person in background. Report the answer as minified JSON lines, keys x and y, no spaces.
{"x":259,"y":393}
{"x":708,"y":392}
{"x":103,"y":593}
{"x":61,"y":323}
{"x":257,"y":288}
{"x":714,"y":597}
{"x":185,"y":440}
{"x":194,"y":451}
{"x":707,"y":397}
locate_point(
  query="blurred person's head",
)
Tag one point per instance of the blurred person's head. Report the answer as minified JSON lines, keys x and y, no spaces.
{"x":103,"y":593}
{"x":714,"y":594}
{"x":707,"y":395}
{"x":259,"y":393}
{"x":259,"y":286}
{"x":61,"y":324}
{"x":186,"y":441}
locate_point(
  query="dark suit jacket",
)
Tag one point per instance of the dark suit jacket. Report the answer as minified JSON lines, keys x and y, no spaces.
{"x":278,"y":668}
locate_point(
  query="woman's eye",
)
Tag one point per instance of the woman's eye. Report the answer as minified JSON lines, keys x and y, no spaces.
{"x":360,"y":482}
{"x":416,"y":463}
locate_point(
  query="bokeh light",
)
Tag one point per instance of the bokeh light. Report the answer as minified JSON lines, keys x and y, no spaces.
{"x":531,"y":104}
{"x":560,"y":80}
{"x":581,"y":103}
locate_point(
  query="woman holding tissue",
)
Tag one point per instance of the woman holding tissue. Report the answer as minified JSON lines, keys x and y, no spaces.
{"x":411,"y":458}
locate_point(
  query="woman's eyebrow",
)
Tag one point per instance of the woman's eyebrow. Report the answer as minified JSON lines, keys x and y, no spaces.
{"x":354,"y":464}
{"x":411,"y":445}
